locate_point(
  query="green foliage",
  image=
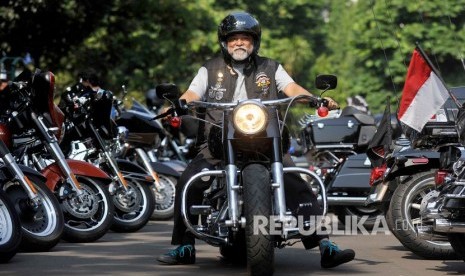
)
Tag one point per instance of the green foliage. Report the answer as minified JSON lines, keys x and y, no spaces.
{"x":141,"y":43}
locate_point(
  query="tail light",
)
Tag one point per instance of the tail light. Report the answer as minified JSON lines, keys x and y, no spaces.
{"x":440,"y":177}
{"x":377,"y":173}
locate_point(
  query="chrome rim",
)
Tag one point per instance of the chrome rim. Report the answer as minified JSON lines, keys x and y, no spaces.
{"x":6,"y":225}
{"x":92,"y":213}
{"x":130,"y":205}
{"x":164,"y":200}
{"x":41,"y":222}
{"x":412,"y":203}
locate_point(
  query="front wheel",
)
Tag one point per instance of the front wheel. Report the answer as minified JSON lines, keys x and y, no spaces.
{"x":89,"y":217}
{"x":133,"y":208}
{"x":10,"y":229}
{"x":164,"y":200}
{"x":258,"y":206}
{"x":403,"y":218}
{"x":42,"y":225}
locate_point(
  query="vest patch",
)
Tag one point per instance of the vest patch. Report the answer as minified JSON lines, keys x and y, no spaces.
{"x":217,"y":91}
{"x":263,"y":82}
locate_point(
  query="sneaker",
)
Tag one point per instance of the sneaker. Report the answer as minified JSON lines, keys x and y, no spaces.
{"x":332,"y":256}
{"x":184,"y":254}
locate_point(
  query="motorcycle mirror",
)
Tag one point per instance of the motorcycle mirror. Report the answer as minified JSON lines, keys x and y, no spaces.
{"x":326,"y":82}
{"x":168,"y":91}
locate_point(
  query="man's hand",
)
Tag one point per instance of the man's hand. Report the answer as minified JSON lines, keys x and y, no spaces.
{"x":332,"y":104}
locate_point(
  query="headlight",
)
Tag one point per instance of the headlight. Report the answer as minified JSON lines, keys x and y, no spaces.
{"x":250,"y":118}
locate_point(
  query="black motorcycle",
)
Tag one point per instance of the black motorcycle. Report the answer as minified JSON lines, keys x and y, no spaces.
{"x":142,"y":143}
{"x":248,"y":183}
{"x":10,"y":234}
{"x":334,"y":147}
{"x":91,"y":135}
{"x":443,"y":209}
{"x":407,"y":178}
{"x":39,"y":211}
{"x":36,"y":125}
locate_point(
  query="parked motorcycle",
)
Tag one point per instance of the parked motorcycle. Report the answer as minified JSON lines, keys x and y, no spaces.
{"x":91,"y":135}
{"x":36,"y":125}
{"x":406,"y":179}
{"x":38,"y":209}
{"x":443,"y":209}
{"x":10,"y":229}
{"x":142,"y":144}
{"x":335,"y":147}
{"x":248,"y":183}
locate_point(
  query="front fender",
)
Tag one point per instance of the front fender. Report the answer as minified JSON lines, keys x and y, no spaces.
{"x":171,"y":168}
{"x":54,"y":174}
{"x":25,"y":169}
{"x":133,"y":171}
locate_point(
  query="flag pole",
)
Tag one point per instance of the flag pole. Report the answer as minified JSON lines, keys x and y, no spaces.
{"x":423,"y":54}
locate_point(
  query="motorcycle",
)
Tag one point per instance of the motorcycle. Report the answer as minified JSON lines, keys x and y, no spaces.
{"x":36,"y":125}
{"x":141,"y":144}
{"x":335,"y":149}
{"x":39,"y":212}
{"x":10,"y":229}
{"x":442,"y":209}
{"x":248,"y":184}
{"x":407,"y":177}
{"x":91,"y":136}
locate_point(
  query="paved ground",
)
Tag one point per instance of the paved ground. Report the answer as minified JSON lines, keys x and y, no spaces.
{"x":134,"y":254}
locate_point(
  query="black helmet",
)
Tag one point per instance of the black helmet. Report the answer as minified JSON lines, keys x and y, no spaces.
{"x":239,"y":22}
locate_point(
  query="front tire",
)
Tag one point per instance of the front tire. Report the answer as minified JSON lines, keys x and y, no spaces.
{"x":10,"y":229}
{"x":164,"y":200}
{"x":258,"y":204}
{"x":90,"y":220}
{"x":403,"y":218}
{"x":133,"y":209}
{"x":42,"y":227}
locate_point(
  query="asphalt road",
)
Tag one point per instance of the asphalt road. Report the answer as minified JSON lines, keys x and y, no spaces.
{"x":134,"y":254}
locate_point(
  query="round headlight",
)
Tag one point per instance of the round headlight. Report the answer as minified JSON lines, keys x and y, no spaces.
{"x":250,"y":118}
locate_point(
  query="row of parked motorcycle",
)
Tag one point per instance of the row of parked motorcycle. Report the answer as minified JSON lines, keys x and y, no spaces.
{"x":419,"y":188}
{"x":74,"y":171}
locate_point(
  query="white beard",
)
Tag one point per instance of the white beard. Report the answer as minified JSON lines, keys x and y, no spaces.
{"x":240,"y":54}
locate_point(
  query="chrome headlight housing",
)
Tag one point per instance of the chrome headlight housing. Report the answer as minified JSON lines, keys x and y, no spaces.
{"x":250,"y":117}
{"x":123,"y":133}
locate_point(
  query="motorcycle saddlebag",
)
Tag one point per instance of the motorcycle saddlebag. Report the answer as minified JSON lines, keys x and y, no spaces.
{"x":354,"y":175}
{"x":342,"y":130}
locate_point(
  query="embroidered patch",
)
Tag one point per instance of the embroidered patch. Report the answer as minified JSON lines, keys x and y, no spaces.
{"x":263,"y":82}
{"x":217,"y":92}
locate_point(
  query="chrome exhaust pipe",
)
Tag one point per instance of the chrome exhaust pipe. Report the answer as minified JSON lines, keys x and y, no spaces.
{"x":447,"y":226}
{"x":378,"y":195}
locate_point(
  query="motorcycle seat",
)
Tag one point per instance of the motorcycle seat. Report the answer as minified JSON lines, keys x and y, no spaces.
{"x":360,"y":116}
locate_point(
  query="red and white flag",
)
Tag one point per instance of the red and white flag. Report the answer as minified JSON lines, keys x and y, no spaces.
{"x":423,"y":95}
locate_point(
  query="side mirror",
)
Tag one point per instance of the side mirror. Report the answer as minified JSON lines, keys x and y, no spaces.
{"x":168,"y":91}
{"x":326,"y":82}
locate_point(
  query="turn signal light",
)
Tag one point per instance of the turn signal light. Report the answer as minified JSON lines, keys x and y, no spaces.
{"x":377,"y":173}
{"x":322,"y":111}
{"x":175,"y":122}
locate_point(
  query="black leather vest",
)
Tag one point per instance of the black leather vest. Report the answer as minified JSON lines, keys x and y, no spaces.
{"x":260,"y":83}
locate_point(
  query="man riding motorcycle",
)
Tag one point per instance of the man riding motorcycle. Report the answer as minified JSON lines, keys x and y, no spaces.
{"x":233,"y":77}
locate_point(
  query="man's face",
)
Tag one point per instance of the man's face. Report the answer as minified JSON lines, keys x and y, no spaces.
{"x":240,"y":46}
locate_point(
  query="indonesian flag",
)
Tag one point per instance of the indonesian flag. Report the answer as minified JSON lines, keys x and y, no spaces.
{"x":423,"y":94}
